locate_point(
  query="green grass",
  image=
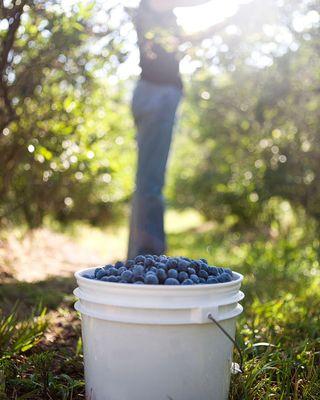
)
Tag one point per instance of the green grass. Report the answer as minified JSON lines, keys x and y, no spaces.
{"x":279,"y":329}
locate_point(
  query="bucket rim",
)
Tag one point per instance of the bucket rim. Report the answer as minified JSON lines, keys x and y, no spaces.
{"x":196,"y":287}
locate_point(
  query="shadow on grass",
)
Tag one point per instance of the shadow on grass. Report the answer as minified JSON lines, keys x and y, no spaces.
{"x":51,"y":293}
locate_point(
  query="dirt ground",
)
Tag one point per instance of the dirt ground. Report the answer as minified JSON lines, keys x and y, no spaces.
{"x":43,"y":253}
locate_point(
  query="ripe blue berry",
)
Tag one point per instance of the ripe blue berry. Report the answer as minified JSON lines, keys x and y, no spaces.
{"x":112,"y":278}
{"x":149,"y":262}
{"x":187,"y":282}
{"x":204,"y":266}
{"x":151,"y":279}
{"x":195,"y":278}
{"x":212,"y":279}
{"x":121,"y":270}
{"x":213,"y":271}
{"x":191,"y":271}
{"x":127,"y":276}
{"x":161,"y":265}
{"x":220,"y":270}
{"x":138,"y":278}
{"x":202,"y":281}
{"x":113,"y":271}
{"x":182,"y":276}
{"x":182,"y":266}
{"x":224,"y":277}
{"x":153,"y":269}
{"x":129,"y":263}
{"x":140,"y":259}
{"x":203,"y":274}
{"x":101,"y":273}
{"x":118,"y":264}
{"x":161,"y":274}
{"x":172,"y":263}
{"x":163,"y":258}
{"x":171,"y":281}
{"x":173,"y":273}
{"x":138,"y":270}
{"x":96,"y":271}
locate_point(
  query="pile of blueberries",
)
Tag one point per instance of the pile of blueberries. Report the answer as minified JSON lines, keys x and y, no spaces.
{"x":162,"y":270}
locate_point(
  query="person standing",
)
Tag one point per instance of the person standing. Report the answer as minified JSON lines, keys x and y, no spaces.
{"x":154,"y":105}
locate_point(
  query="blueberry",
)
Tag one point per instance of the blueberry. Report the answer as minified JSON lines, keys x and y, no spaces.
{"x":171,"y":281}
{"x":149,"y":262}
{"x":187,"y":282}
{"x":204,"y":266}
{"x":138,"y":278}
{"x":163,"y":258}
{"x":118,"y":264}
{"x":161,"y":265}
{"x":228,"y":271}
{"x":204,"y":260}
{"x":182,"y":276}
{"x":155,"y":257}
{"x":96,"y":271}
{"x":153,"y":269}
{"x":140,"y":259}
{"x":113,"y":271}
{"x":202,"y":281}
{"x":161,"y":274}
{"x":138,"y":270}
{"x":196,"y":265}
{"x":172,"y":263}
{"x":127,"y":276}
{"x":224,"y":277}
{"x":121,"y":270}
{"x":151,"y":279}
{"x":182,"y":265}
{"x":212,"y":279}
{"x":195,"y":278}
{"x":220,"y":270}
{"x":129,"y":263}
{"x":104,"y":278}
{"x":213,"y":271}
{"x":107,"y":266}
{"x":203,"y":274}
{"x":112,"y":278}
{"x":191,"y":271}
{"x":101,"y":273}
{"x":173,"y":273}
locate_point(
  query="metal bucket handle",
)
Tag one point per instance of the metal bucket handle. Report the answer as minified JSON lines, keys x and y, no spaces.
{"x":240,"y":369}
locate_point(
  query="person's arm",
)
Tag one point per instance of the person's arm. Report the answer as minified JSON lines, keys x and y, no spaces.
{"x":212,"y":30}
{"x":241,"y":15}
{"x":165,"y":5}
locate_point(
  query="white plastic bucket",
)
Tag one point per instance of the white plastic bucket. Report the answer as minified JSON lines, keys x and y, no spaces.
{"x":155,"y":342}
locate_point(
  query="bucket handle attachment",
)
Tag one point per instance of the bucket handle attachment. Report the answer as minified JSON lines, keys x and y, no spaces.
{"x":240,"y":369}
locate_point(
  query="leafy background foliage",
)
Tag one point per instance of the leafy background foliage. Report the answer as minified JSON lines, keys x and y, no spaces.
{"x":250,"y":114}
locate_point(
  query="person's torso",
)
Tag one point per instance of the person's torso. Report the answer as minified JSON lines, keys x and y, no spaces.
{"x":158,"y":40}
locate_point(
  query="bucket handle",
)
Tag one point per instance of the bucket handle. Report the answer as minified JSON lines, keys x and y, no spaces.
{"x":231,"y":339}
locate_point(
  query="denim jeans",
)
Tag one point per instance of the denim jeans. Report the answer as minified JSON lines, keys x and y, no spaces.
{"x":154,"y":107}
